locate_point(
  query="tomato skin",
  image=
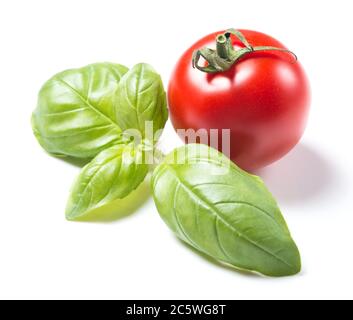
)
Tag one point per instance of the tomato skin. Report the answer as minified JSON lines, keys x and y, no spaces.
{"x":263,"y":99}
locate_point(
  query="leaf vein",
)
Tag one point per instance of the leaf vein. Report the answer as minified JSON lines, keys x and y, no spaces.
{"x":86,"y":101}
{"x":211,"y":208}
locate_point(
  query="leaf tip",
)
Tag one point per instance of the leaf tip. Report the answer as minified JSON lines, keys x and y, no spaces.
{"x":71,"y":213}
{"x":296,"y":264}
{"x":293,"y":263}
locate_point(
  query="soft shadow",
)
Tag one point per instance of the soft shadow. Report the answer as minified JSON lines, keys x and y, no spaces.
{"x":300,"y":176}
{"x":219,"y":264}
{"x":121,"y":208}
{"x":76,"y":162}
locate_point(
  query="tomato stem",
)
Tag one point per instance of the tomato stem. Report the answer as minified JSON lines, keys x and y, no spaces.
{"x":225,"y":56}
{"x":222,"y":46}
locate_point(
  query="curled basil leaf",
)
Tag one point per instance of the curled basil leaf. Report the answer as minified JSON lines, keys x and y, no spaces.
{"x":223,"y":211}
{"x":113,"y":174}
{"x":75,"y":115}
{"x":140,"y":97}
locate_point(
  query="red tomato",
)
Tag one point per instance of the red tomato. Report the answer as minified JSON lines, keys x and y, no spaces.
{"x":263,"y":99}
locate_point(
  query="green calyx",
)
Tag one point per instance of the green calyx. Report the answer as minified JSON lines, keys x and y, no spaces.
{"x":225,"y":56}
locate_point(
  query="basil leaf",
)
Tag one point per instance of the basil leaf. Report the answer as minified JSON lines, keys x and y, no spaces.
{"x":140,"y":97}
{"x":75,"y":115}
{"x":231,"y":216}
{"x":113,"y":174}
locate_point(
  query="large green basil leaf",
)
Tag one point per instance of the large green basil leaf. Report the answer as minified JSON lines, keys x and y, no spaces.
{"x":75,"y":115}
{"x":113,"y":174}
{"x":140,"y":97}
{"x":223,"y":211}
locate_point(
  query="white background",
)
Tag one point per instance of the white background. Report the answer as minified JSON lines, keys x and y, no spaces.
{"x":44,"y":256}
